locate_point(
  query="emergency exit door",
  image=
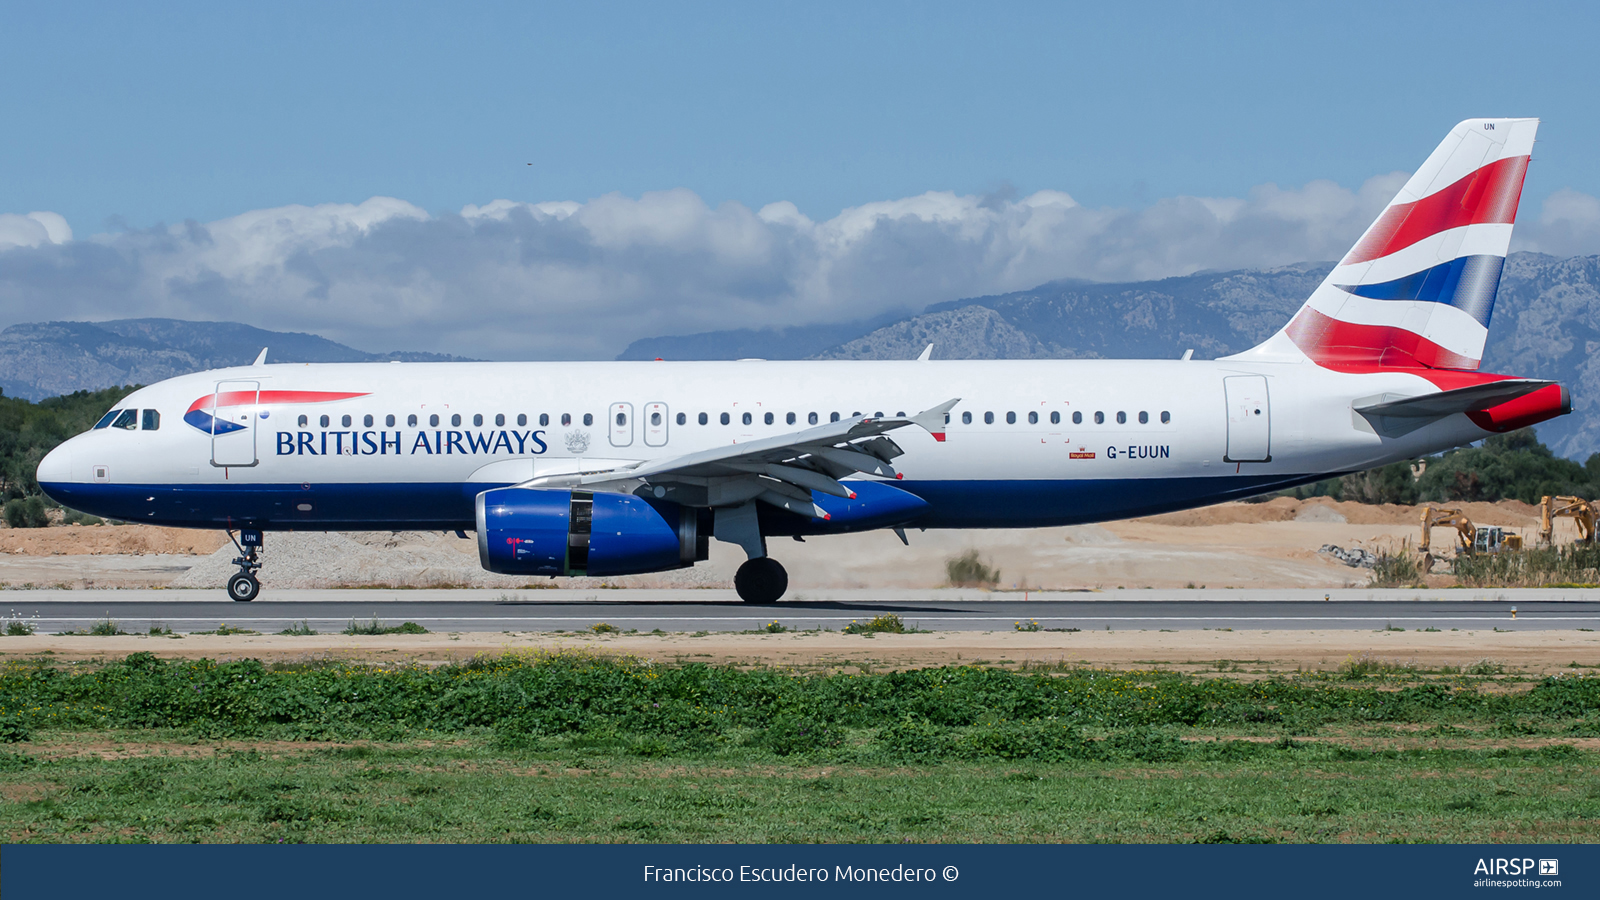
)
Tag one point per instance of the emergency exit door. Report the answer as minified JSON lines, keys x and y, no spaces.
{"x":621,"y":422}
{"x":1249,"y":419}
{"x":655,"y":424}
{"x":233,"y":423}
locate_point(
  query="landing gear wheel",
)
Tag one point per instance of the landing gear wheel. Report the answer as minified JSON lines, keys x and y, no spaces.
{"x":243,"y":587}
{"x":761,"y":580}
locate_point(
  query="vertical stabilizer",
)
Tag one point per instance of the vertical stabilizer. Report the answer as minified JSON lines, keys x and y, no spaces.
{"x":1417,"y":290}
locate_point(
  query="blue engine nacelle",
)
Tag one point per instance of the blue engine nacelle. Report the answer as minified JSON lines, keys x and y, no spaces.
{"x":541,"y":531}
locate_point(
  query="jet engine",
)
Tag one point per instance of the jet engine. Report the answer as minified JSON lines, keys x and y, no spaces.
{"x":542,"y":531}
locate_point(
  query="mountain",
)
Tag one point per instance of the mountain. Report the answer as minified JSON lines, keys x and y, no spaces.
{"x":44,"y":359}
{"x":1546,"y":324}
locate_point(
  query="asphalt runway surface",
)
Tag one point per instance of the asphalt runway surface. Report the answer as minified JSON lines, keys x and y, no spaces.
{"x":717,"y":610}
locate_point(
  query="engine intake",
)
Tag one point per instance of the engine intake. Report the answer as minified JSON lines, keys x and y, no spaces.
{"x":537,"y":531}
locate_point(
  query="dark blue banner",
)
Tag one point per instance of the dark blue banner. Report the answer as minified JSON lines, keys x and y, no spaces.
{"x":236,"y":872}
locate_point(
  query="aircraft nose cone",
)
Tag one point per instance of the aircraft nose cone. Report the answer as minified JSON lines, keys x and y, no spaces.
{"x":56,"y":467}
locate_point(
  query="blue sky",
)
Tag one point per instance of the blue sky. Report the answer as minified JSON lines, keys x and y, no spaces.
{"x":340,"y":167}
{"x":165,"y":112}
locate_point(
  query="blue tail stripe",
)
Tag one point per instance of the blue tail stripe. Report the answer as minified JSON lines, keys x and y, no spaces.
{"x":1468,"y":283}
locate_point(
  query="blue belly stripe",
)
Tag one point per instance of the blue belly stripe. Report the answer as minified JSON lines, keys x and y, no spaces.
{"x":447,"y":506}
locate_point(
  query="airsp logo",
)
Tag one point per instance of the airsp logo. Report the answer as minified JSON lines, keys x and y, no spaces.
{"x":1549,"y":867}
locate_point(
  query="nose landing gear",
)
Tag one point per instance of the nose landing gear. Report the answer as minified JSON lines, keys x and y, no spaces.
{"x":244,"y":586}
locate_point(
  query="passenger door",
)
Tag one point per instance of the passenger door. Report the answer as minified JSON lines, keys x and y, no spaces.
{"x":621,"y":421}
{"x":1249,"y":419}
{"x":233,"y":423}
{"x":655,"y":424}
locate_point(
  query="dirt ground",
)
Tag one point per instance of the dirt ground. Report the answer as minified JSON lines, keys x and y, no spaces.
{"x":1241,"y":545}
{"x":1527,"y":652}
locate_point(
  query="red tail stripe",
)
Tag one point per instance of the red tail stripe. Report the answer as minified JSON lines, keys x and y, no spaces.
{"x":1349,"y":347}
{"x":1487,"y":196}
{"x":1529,"y":409}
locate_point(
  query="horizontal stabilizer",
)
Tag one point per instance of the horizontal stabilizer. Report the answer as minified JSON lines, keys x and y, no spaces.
{"x":1394,"y":416}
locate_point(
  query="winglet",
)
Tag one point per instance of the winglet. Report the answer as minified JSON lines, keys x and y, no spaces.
{"x":927,"y":354}
{"x":932,"y":420}
{"x":261,"y":358}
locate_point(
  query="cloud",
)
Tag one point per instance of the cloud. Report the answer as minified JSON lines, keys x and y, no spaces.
{"x":1569,"y":225}
{"x":33,"y":229}
{"x":551,"y":280}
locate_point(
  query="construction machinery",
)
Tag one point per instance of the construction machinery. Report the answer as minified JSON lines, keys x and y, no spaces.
{"x":1470,"y":538}
{"x":1581,"y":511}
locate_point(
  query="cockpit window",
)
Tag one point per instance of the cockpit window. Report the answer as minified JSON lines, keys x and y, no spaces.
{"x":150,"y":420}
{"x":129,"y":419}
{"x":106,"y":420}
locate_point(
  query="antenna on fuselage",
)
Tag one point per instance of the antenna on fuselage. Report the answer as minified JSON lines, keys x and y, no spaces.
{"x":927,"y":354}
{"x":261,"y":358}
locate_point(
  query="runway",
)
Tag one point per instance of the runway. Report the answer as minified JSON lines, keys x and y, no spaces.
{"x":135,"y":611}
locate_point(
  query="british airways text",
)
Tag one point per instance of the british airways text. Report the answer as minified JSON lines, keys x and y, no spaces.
{"x":429,"y":443}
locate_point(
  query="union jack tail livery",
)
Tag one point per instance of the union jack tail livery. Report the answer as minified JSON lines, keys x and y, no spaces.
{"x":1417,"y":290}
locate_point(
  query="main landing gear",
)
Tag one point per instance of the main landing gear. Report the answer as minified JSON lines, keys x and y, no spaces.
{"x":244,"y":586}
{"x":761,"y":580}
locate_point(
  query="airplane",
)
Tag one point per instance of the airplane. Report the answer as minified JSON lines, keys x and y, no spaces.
{"x":613,"y":468}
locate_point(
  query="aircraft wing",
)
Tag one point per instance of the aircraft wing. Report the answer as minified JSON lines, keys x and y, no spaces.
{"x":781,"y":470}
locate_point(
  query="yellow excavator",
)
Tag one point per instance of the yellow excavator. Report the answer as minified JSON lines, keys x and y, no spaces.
{"x":1581,"y":511}
{"x":1470,"y":538}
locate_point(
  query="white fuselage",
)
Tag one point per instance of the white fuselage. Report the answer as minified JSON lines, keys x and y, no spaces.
{"x":1034,"y":442}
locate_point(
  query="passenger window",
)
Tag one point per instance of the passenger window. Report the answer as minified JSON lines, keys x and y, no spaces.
{"x":366,"y":421}
{"x":344,"y":422}
{"x":788,"y":419}
{"x":388,"y":421}
{"x":522,"y":419}
{"x":411,"y":420}
{"x":106,"y":420}
{"x":655,"y":419}
{"x":767,"y":418}
{"x":455,"y":420}
{"x":1011,"y":418}
{"x":683,"y":419}
{"x":856,"y":413}
{"x":900,"y":415}
{"x":477,"y":420}
{"x":1033,"y":418}
{"x":833,"y":417}
{"x":1144,"y":417}
{"x":877,"y":415}
{"x":129,"y":419}
{"x":1122,"y":417}
{"x":811,"y":418}
{"x":304,"y":421}
{"x":588,"y":419}
{"x":1077,"y":418}
{"x":703,"y":418}
{"x":544,"y":419}
{"x":724,"y":418}
{"x":152,"y":420}
{"x":433,"y":421}
{"x":324,"y":421}
{"x":1166,"y":417}
{"x":622,"y":419}
{"x":1099,"y":418}
{"x":1055,"y":418}
{"x":566,"y":418}
{"x":499,"y":419}
{"x":966,"y":418}
{"x":746,"y":418}
{"x":988,"y":418}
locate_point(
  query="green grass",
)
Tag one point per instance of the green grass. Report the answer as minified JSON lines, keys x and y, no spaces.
{"x":377,"y":626}
{"x":571,"y":747}
{"x":478,"y":794}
